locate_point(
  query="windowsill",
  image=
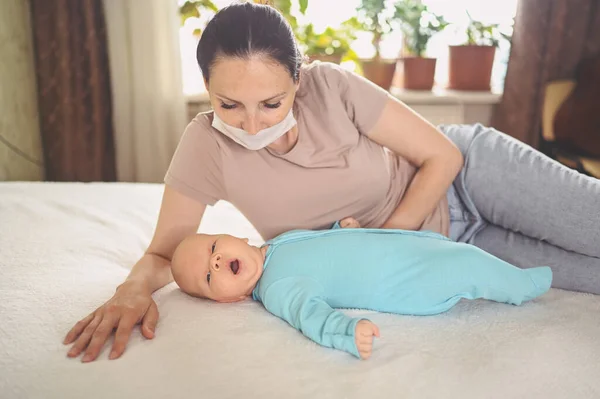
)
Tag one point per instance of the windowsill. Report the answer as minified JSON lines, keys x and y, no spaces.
{"x":445,"y":96}
{"x":433,"y":97}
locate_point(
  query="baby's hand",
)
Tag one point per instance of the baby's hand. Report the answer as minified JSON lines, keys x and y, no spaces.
{"x":349,"y":223}
{"x":363,"y":336}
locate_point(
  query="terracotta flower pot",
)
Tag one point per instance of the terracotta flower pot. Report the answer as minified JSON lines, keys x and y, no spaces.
{"x":418,"y":73}
{"x":336,"y":59}
{"x":470,"y":67}
{"x":380,"y":72}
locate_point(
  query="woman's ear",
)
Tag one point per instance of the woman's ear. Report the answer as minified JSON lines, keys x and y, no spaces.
{"x":297,"y":81}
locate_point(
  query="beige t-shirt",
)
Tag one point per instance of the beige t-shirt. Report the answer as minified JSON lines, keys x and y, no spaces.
{"x":333,"y":171}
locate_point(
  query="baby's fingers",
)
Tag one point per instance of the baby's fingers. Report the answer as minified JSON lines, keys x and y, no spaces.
{"x":376,"y":331}
{"x":365,"y":351}
{"x":364,"y":340}
{"x":364,"y":346}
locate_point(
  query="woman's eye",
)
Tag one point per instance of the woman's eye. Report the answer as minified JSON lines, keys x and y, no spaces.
{"x":208,"y":278}
{"x":227,"y":106}
{"x":273,"y":106}
{"x":212,"y":250}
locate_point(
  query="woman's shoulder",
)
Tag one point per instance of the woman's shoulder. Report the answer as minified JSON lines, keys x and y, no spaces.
{"x":324,"y":75}
{"x":200,"y":129}
{"x":202,"y":122}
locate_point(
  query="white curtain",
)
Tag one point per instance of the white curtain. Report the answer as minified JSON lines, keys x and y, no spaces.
{"x":149,"y":108}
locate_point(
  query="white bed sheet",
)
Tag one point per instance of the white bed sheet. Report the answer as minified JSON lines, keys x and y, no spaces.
{"x":64,"y":247}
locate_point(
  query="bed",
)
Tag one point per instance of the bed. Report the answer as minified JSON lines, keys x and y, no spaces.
{"x":64,"y":247}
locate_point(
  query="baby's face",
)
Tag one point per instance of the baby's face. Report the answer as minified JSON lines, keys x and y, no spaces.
{"x":218,"y":267}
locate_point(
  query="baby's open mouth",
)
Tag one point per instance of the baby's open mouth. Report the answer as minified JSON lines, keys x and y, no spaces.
{"x":235,"y":266}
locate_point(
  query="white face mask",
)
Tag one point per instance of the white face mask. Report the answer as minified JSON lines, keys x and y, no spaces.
{"x":259,"y":140}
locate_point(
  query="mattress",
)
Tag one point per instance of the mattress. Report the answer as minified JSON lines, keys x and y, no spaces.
{"x":64,"y":247}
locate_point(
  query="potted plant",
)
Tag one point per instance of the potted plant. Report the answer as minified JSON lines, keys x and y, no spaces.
{"x":470,"y":64}
{"x":373,"y":18}
{"x":331,"y":45}
{"x":418,"y":25}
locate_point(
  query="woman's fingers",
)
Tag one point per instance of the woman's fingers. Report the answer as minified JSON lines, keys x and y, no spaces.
{"x":100,"y":335}
{"x":124,"y":330}
{"x":149,"y":321}
{"x":121,"y":313}
{"x":85,"y":337}
{"x":78,"y":328}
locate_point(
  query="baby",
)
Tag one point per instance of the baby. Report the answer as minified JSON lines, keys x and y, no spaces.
{"x":303,"y":276}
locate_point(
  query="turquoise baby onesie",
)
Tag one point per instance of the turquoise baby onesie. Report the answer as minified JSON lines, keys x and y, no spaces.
{"x":310,"y":274}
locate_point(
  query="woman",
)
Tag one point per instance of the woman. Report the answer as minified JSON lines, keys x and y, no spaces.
{"x":296,"y":146}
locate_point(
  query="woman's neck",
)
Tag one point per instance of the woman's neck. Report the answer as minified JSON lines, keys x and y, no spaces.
{"x":285,"y":143}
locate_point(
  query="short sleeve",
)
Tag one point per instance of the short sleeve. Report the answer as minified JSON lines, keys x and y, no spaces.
{"x":196,"y":169}
{"x":363,"y":100}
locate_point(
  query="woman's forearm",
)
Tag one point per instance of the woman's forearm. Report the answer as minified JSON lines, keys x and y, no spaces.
{"x":151,"y":272}
{"x":427,"y":188}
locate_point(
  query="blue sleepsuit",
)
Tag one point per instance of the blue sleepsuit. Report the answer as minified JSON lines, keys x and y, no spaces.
{"x":309,"y":274}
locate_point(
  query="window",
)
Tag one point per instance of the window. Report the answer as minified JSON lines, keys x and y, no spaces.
{"x":323,"y":13}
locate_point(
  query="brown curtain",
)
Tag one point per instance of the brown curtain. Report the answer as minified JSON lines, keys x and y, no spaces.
{"x":74,"y":96}
{"x":550,"y":39}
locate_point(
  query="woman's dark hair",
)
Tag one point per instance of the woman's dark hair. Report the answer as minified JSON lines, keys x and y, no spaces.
{"x":246,"y":29}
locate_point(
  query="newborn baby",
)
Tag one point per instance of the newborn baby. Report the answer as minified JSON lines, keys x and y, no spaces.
{"x":304,"y":276}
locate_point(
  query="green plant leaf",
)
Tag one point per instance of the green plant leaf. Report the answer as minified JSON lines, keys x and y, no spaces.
{"x":418,"y":25}
{"x":350,"y":56}
{"x":480,"y":34}
{"x":284,"y":6}
{"x":188,"y":10}
{"x":371,"y":14}
{"x":303,"y":6}
{"x":191,"y":9}
{"x":332,"y":41}
{"x":208,"y":4}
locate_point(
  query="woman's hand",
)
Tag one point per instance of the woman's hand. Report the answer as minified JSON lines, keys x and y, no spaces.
{"x":436,"y":158}
{"x":131,"y":304}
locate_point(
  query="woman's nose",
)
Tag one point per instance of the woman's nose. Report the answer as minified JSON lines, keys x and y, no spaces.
{"x":250,"y":124}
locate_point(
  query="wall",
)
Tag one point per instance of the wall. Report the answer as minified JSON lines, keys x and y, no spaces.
{"x":20,"y":141}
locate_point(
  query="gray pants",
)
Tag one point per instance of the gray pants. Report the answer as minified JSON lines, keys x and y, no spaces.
{"x":525,"y":208}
